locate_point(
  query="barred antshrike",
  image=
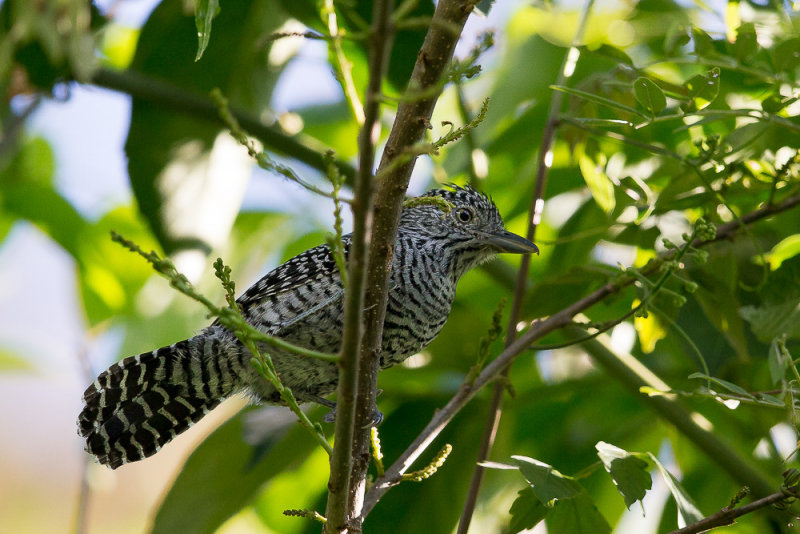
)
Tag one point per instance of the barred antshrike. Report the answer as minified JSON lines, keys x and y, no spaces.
{"x":139,"y":404}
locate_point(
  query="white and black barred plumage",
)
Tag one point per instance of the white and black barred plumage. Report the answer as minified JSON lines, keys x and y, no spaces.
{"x":137,"y":405}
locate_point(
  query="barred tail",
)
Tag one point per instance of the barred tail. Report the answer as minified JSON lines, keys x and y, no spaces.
{"x":139,"y":404}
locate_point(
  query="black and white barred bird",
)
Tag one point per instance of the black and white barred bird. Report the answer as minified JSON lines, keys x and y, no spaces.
{"x":137,"y":405}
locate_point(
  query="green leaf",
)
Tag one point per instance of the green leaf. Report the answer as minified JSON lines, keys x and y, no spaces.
{"x":688,"y":512}
{"x":629,"y":472}
{"x":703,"y":90}
{"x":778,"y":361}
{"x":786,"y":55}
{"x":174,"y":158}
{"x":526,"y":511}
{"x":675,"y":38}
{"x":224,"y":473}
{"x":597,"y":99}
{"x":548,"y":484}
{"x":776,"y":102}
{"x":48,"y":210}
{"x":746,"y":44}
{"x":771,"y":320}
{"x":32,"y":162}
{"x":788,"y":247}
{"x":730,"y":386}
{"x":703,"y":44}
{"x":599,"y":184}
{"x":577,"y":516}
{"x":649,"y":95}
{"x":204,"y":13}
{"x":13,"y":362}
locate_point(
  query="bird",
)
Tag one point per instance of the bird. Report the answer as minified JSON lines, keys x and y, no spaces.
{"x":136,"y":406}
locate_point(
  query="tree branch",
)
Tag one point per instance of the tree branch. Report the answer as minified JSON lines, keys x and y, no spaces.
{"x":544,"y":160}
{"x":174,"y":98}
{"x":411,"y":122}
{"x":727,"y":516}
{"x":345,"y":488}
{"x":538,"y":330}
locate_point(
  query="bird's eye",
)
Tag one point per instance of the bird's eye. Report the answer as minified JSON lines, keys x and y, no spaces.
{"x":464,"y":215}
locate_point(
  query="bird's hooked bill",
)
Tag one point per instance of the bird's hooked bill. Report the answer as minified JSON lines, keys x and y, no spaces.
{"x":506,"y":241}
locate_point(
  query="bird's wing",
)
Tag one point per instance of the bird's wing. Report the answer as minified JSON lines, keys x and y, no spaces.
{"x":294,"y":290}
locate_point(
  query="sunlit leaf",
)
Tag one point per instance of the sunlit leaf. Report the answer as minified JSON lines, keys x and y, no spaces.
{"x":688,"y":512}
{"x":788,"y":247}
{"x":597,"y":181}
{"x":629,"y":472}
{"x":204,"y":13}
{"x":32,"y":162}
{"x":548,"y":484}
{"x":703,"y":89}
{"x":650,"y":330}
{"x":10,"y":362}
{"x":649,"y":95}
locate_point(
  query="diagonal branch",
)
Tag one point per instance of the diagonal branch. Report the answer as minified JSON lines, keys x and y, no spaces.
{"x":544,"y":160}
{"x":537,"y":330}
{"x":168,"y":95}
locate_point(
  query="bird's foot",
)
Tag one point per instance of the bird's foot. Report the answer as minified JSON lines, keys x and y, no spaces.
{"x":375,"y":419}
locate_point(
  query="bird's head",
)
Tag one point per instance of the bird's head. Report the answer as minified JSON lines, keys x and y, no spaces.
{"x":470,"y":233}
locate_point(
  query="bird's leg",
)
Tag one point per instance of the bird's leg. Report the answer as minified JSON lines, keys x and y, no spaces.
{"x":330,"y":417}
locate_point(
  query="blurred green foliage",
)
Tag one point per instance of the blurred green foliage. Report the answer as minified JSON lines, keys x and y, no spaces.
{"x":672,"y":113}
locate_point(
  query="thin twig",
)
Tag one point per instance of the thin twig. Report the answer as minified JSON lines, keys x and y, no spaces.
{"x":538,"y":330}
{"x":341,"y":65}
{"x":534,"y":216}
{"x":727,"y":516}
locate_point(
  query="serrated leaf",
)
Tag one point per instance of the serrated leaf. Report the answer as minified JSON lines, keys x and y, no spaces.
{"x":204,"y":13}
{"x":597,"y":181}
{"x":649,"y":95}
{"x":526,"y":511}
{"x":772,"y":320}
{"x":548,"y":484}
{"x":629,"y":473}
{"x":577,"y":516}
{"x":688,"y":512}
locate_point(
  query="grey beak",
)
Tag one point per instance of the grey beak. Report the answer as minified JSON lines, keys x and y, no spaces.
{"x":505,"y":241}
